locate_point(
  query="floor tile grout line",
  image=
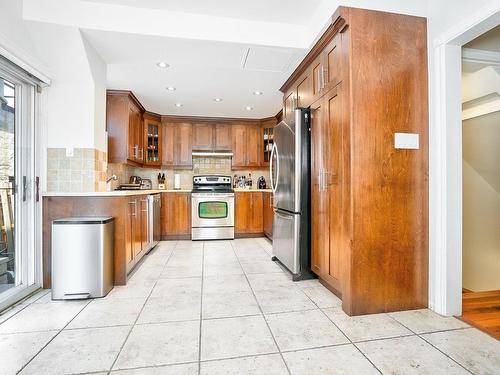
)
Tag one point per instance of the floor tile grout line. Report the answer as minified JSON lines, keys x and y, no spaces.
{"x":138,"y":315}
{"x":423,"y":338}
{"x":345,"y":335}
{"x":21,"y":303}
{"x":262,"y":314}
{"x":52,"y":339}
{"x":201,"y":306}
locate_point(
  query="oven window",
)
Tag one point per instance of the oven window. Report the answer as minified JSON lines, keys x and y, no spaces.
{"x":212,"y":210}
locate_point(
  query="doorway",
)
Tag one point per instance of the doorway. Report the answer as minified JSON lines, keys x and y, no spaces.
{"x":481,"y":182}
{"x":19,"y":275}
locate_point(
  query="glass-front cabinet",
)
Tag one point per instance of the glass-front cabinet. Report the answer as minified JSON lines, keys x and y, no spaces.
{"x":268,"y":140}
{"x":152,"y":142}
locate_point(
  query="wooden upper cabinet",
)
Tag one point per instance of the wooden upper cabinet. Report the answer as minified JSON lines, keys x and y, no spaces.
{"x":184,"y":146}
{"x":177,"y":145}
{"x":289,"y":102}
{"x":125,"y":128}
{"x":239,"y":135}
{"x":332,"y":63}
{"x":305,"y":90}
{"x":267,"y":140}
{"x":203,"y":137}
{"x":253,"y":145}
{"x":246,"y":145}
{"x":223,"y":137}
{"x":152,"y":141}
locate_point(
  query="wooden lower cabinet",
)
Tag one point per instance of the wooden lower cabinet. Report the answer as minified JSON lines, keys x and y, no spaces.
{"x":268,"y":213}
{"x":130,"y":232}
{"x":326,"y":197}
{"x":248,"y":213}
{"x":176,"y":215}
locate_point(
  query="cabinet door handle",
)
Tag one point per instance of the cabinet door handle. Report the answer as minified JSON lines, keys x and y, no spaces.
{"x":134,"y":212}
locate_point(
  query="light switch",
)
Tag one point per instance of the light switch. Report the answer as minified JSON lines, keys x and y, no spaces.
{"x":69,"y":152}
{"x":408,"y":141}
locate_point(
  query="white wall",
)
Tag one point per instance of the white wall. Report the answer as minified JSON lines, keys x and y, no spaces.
{"x":481,"y":203}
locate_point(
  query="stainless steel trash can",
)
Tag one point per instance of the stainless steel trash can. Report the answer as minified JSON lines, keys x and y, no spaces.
{"x":82,"y":257}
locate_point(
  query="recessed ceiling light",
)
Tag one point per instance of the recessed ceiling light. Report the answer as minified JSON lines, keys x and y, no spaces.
{"x":162,"y":64}
{"x":217,"y":99}
{"x":178,"y":105}
{"x":258,"y":93}
{"x":171,"y":88}
{"x":249,"y":108}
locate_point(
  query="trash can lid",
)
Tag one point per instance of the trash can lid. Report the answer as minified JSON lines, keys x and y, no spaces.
{"x":84,"y":220}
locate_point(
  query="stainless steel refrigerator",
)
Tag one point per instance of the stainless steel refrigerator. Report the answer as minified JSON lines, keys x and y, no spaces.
{"x":290,"y":182}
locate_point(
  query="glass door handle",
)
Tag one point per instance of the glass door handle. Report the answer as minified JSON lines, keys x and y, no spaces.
{"x":25,"y":187}
{"x":37,"y":189}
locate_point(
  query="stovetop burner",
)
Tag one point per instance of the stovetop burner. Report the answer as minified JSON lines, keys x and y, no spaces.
{"x":212,"y":184}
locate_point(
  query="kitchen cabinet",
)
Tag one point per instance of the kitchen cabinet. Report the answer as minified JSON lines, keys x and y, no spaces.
{"x":267,"y":140}
{"x":125,"y":128}
{"x":203,"y":137}
{"x":212,"y":137}
{"x":223,"y":138}
{"x":177,"y":145}
{"x":326,"y":198}
{"x":268,"y":213}
{"x":248,"y":216}
{"x":246,"y":146}
{"x":369,"y":203}
{"x":152,"y":141}
{"x":176,"y":215}
{"x":138,"y":230}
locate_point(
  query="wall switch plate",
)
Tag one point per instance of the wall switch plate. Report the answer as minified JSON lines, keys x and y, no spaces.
{"x":406,"y":141}
{"x":69,"y":152}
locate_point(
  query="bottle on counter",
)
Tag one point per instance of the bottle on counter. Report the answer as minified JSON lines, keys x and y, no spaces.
{"x":249,"y":181}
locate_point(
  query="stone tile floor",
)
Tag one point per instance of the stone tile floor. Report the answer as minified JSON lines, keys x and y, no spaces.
{"x":223,"y":307}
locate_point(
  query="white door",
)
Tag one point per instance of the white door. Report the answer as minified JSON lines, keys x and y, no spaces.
{"x":19,"y":274}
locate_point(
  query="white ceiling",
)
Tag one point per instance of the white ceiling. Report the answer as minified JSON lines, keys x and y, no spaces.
{"x":215,"y":48}
{"x":289,"y":11}
{"x":199,"y":70}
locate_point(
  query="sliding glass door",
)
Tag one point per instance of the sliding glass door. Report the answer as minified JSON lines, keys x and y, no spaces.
{"x":18,"y":263}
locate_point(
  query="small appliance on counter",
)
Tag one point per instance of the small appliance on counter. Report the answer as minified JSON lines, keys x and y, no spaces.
{"x":161,"y":181}
{"x":177,"y":181}
{"x":146,"y":184}
{"x":129,"y":187}
{"x":261,"y":183}
{"x":136,"y":180}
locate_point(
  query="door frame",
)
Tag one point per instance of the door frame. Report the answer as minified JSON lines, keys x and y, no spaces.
{"x":36,"y":129}
{"x":445,"y":167}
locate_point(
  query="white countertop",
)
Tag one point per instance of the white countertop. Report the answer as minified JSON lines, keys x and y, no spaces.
{"x":114,"y":193}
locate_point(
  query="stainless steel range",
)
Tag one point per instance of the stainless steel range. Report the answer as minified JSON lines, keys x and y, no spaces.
{"x":212,"y":200}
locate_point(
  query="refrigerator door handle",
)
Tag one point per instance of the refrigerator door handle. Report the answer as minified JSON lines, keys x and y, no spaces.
{"x":274,"y":184}
{"x":289,"y":217}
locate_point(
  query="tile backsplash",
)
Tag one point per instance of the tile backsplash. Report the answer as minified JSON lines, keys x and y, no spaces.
{"x":201,"y":165}
{"x":84,"y":171}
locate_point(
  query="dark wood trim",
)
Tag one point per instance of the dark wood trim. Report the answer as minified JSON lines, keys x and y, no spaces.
{"x":330,"y":288}
{"x":130,"y":94}
{"x":151,"y":116}
{"x":249,"y":235}
{"x":176,"y":237}
{"x":337,"y":22}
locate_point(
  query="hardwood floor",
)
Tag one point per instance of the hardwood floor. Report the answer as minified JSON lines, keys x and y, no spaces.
{"x":482,"y":310}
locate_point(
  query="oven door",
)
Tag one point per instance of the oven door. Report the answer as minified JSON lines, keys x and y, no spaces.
{"x":212,"y":210}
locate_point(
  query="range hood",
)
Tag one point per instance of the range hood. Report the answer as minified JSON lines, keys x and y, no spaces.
{"x":212,"y":153}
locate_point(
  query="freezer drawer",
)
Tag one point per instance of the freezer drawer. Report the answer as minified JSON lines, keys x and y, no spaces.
{"x":286,"y":234}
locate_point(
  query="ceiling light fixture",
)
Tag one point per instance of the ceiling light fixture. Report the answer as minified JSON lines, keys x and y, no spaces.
{"x":249,"y":108}
{"x":162,"y":64}
{"x":258,"y":93}
{"x":217,"y":100}
{"x":171,"y":88}
{"x":178,"y":105}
